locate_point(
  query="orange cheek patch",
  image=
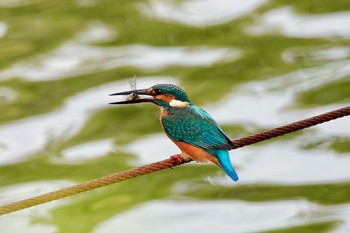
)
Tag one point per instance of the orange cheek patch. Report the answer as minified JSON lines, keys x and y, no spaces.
{"x":165,"y":98}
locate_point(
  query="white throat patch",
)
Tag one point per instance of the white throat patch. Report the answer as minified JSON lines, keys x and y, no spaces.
{"x":178,"y":104}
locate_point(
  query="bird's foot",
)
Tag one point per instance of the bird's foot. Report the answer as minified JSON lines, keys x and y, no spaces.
{"x":178,"y":158}
{"x":181,"y":159}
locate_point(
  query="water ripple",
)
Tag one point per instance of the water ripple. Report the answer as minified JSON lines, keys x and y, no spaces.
{"x":24,"y":137}
{"x":230,"y":216}
{"x":288,"y":23}
{"x":200,"y":13}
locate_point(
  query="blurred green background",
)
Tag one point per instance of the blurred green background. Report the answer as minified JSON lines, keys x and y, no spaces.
{"x":252,"y":65}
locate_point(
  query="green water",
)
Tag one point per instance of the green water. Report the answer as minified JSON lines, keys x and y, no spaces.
{"x":38,"y":28}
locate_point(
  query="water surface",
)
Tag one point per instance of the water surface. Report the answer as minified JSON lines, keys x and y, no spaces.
{"x":252,"y":65}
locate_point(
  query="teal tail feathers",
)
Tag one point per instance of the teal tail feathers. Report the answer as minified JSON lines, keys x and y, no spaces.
{"x":225,"y":162}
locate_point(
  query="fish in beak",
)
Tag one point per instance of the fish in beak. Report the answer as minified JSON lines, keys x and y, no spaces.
{"x":134,"y":96}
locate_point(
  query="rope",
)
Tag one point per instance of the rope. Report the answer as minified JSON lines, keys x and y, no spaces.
{"x":89,"y":185}
{"x":167,"y":163}
{"x":299,"y":125}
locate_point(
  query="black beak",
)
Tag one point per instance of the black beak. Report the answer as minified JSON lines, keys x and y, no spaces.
{"x":133,"y":97}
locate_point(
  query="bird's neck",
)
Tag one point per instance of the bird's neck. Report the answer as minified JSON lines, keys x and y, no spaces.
{"x":169,"y":109}
{"x":163,"y":112}
{"x":171,"y":104}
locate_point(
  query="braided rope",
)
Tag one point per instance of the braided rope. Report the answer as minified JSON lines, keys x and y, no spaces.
{"x":167,"y":163}
{"x":89,"y":185}
{"x":293,"y":127}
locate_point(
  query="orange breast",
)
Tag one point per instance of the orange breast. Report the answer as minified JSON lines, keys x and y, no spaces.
{"x":189,"y":151}
{"x":195,"y":153}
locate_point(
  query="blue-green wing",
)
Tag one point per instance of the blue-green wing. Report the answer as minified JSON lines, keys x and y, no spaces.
{"x":195,"y":126}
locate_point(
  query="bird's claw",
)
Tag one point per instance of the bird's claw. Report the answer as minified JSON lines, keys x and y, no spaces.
{"x":177,"y":157}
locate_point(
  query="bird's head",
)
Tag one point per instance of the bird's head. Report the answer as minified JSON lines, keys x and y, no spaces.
{"x":164,"y":95}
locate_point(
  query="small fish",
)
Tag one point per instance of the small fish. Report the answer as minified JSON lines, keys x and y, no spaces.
{"x":133,"y":95}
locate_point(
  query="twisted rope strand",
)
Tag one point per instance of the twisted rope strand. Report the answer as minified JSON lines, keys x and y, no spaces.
{"x":293,"y":127}
{"x":89,"y":185}
{"x":167,"y":163}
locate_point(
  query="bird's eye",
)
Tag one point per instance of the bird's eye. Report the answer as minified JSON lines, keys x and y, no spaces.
{"x":157,"y":91}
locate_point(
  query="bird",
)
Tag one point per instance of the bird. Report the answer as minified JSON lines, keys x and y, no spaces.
{"x":190,"y":127}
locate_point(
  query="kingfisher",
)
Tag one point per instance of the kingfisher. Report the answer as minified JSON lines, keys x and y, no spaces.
{"x":191,"y":128}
